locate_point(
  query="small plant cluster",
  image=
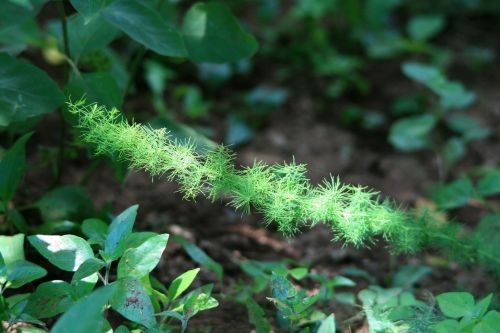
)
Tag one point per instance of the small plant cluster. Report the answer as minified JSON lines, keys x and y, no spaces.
{"x":112,"y":256}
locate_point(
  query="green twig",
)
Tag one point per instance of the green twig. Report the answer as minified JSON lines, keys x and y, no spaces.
{"x":64,"y":24}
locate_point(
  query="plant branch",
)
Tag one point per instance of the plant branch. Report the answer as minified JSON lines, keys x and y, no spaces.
{"x":281,"y":193}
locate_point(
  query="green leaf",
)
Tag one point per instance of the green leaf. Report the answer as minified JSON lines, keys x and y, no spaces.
{"x":87,"y":268}
{"x":482,"y":306}
{"x":87,"y":313}
{"x":16,"y":38}
{"x":140,"y":261}
{"x":3,"y":270}
{"x":453,"y":94}
{"x":136,"y":239}
{"x":21,"y":272}
{"x":487,"y":237}
{"x":446,"y":326}
{"x":408,"y":275}
{"x":455,"y":304}
{"x":200,"y":256}
{"x":489,"y":324}
{"x":132,"y":302}
{"x":453,"y":150}
{"x":12,"y":248}
{"x":257,"y":316}
{"x":327,"y":325}
{"x":199,"y":300}
{"x":12,"y":15}
{"x":469,"y":127}
{"x":425,"y":27}
{"x":25,"y":91}
{"x":65,"y":203}
{"x":299,"y":273}
{"x":182,"y":133}
{"x":341,"y":281}
{"x":282,"y":289}
{"x":181,"y":283}
{"x":84,"y":37}
{"x":453,"y":195}
{"x":122,"y":329}
{"x":146,"y":26}
{"x":411,"y":133}
{"x":212,"y":34}
{"x":118,"y":231}
{"x":67,"y":252}
{"x":12,"y":168}
{"x":96,"y":230}
{"x":90,"y":9}
{"x":98,"y":87}
{"x":50,"y":299}
{"x":490,"y":183}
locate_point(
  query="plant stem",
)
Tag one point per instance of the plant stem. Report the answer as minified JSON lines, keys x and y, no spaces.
{"x":138,"y":59}
{"x":62,"y":16}
{"x":106,"y":274}
{"x":60,"y":154}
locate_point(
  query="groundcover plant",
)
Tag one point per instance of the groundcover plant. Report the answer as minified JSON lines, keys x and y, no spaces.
{"x":110,"y":115}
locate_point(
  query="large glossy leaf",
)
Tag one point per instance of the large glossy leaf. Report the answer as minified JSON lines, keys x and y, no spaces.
{"x":85,"y":37}
{"x":90,"y":9}
{"x":12,"y":14}
{"x":145,"y":25}
{"x":140,"y":261}
{"x":212,"y":34}
{"x":132,"y":302}
{"x":49,"y":299}
{"x":12,"y":167}
{"x":87,"y":313}
{"x":118,"y":231}
{"x":25,"y":91}
{"x":15,"y":38}
{"x":67,"y":252}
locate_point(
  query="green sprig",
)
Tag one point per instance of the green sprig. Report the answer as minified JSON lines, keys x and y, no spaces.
{"x":281,"y":192}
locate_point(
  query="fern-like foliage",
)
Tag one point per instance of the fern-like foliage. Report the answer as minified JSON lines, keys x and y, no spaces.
{"x":281,"y":193}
